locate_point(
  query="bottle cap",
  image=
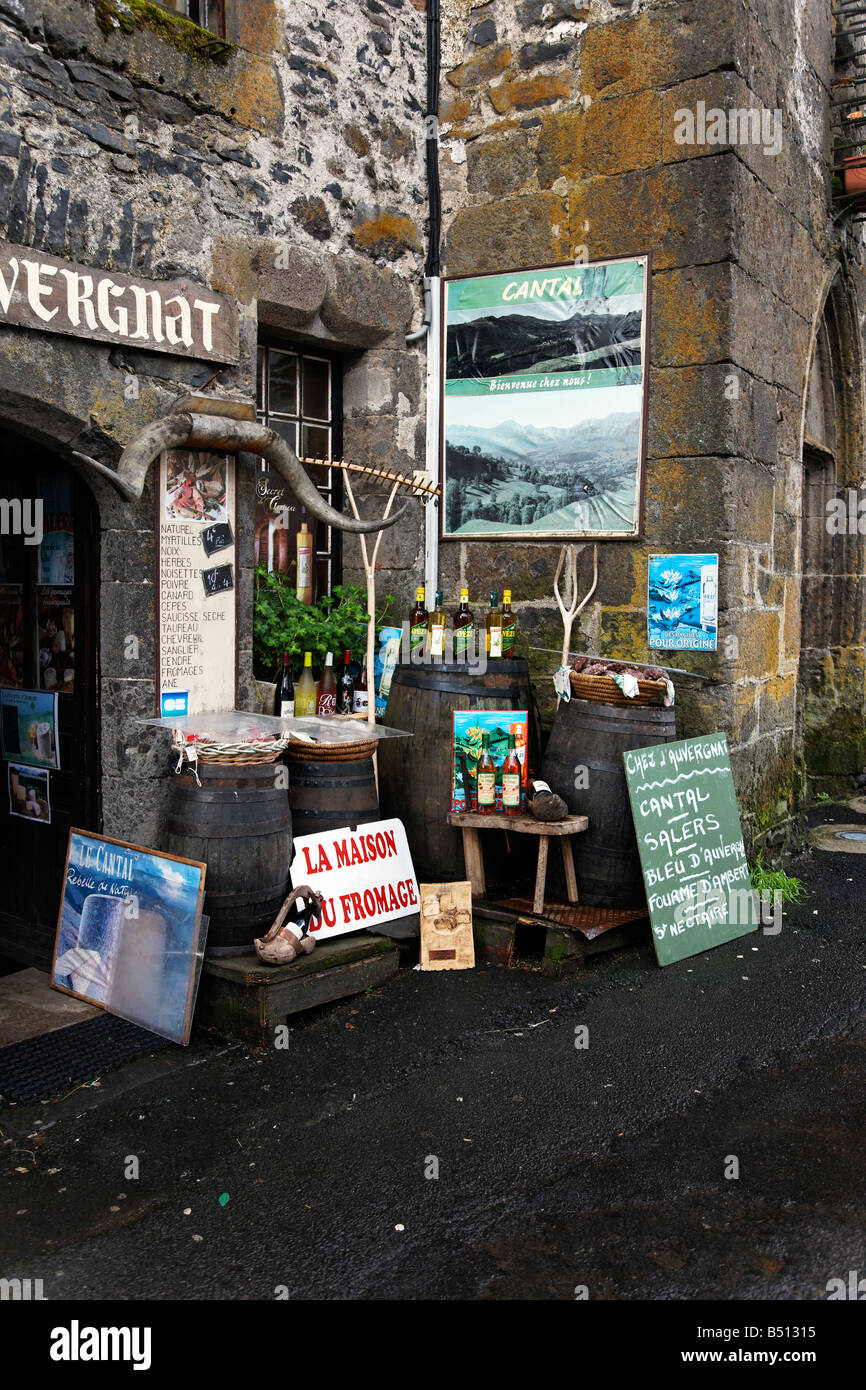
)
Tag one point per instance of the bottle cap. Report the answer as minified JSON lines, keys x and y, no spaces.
{"x":438,"y":598}
{"x":419,"y":594}
{"x":494,"y":599}
{"x":464,"y":594}
{"x":308,"y":658}
{"x":506,"y":594}
{"x":329,"y":659}
{"x":347,"y":658}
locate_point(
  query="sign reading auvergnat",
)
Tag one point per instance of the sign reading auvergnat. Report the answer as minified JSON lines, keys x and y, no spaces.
{"x":54,"y":296}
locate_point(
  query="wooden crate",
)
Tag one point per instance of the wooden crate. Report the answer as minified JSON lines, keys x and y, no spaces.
{"x":241,"y":998}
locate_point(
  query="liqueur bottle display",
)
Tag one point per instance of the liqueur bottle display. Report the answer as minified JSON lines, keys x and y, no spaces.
{"x":304,"y":590}
{"x":511,"y":781}
{"x":326,"y":691}
{"x":361,"y":699}
{"x":437,"y":625}
{"x":305,"y":690}
{"x":418,"y":622}
{"x":346,"y":692}
{"x":464,"y":627}
{"x":284,"y":698}
{"x":485,"y":800}
{"x":509,"y":625}
{"x":493,"y":624}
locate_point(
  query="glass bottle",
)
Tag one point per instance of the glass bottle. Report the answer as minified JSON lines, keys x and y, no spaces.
{"x":360,"y":700}
{"x":509,"y":625}
{"x":305,"y":690}
{"x":346,"y":693}
{"x":485,"y":797}
{"x":284,"y":695}
{"x":326,"y":691}
{"x":418,"y":623}
{"x":493,"y":625}
{"x":437,"y":625}
{"x":511,"y":780}
{"x":464,"y":626}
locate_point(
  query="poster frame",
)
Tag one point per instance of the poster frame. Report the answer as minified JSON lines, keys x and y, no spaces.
{"x":521,"y":533}
{"x":152,"y":854}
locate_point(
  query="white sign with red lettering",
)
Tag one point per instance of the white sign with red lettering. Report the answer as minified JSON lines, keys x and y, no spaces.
{"x":365,"y":876}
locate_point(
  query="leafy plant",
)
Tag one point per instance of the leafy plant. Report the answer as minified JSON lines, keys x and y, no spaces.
{"x":766,"y":882}
{"x":281,"y":623}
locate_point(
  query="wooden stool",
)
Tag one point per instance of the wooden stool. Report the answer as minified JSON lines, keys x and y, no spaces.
{"x":470,"y":822}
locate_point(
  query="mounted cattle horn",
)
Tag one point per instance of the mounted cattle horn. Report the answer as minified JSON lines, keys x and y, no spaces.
{"x":220,"y":433}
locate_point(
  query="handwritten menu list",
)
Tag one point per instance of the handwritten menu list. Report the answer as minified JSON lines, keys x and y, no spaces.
{"x":691,"y":845}
{"x":197,"y":563}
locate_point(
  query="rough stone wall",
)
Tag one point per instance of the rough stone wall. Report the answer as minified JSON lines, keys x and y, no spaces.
{"x":560,"y":134}
{"x":286,"y":172}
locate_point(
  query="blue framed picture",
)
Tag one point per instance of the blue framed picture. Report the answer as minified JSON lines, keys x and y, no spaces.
{"x":683,"y":603}
{"x":129,"y":935}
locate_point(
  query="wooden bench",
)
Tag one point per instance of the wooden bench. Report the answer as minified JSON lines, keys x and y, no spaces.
{"x":470,"y":822}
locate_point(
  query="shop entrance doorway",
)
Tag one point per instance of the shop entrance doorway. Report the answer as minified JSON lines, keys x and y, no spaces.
{"x":48,"y":644}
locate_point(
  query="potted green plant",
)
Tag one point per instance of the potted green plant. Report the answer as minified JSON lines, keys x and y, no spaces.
{"x":281,"y":623}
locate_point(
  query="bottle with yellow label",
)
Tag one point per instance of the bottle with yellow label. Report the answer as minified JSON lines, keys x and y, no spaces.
{"x":485,"y":796}
{"x":464,"y":628}
{"x":509,"y":626}
{"x":493,"y":625}
{"x":436,"y":628}
{"x":418,"y":620}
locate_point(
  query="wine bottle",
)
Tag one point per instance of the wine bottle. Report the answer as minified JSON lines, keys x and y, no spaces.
{"x":326,"y":691}
{"x":346,"y":693}
{"x":509,"y":625}
{"x":511,"y":781}
{"x":304,"y":577}
{"x":437,"y":624}
{"x":418,"y":623}
{"x":485,"y":798}
{"x":361,"y":700}
{"x":284,"y":697}
{"x":464,"y":626}
{"x":305,"y":691}
{"x":493,"y":625}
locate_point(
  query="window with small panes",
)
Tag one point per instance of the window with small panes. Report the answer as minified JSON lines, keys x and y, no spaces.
{"x":208,"y":14}
{"x":300,"y":397}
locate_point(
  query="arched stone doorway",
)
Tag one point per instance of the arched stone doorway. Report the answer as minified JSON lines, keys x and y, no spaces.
{"x":831,"y":706}
{"x":49,"y":624}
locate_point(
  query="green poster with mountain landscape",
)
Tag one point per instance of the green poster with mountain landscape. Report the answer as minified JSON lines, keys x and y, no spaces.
{"x":543,"y":413}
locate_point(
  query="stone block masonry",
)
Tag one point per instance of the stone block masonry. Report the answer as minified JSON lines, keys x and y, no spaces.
{"x":559,"y":141}
{"x":284,"y":171}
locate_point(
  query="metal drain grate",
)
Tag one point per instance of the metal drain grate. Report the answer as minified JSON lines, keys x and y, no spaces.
{"x":40,"y":1068}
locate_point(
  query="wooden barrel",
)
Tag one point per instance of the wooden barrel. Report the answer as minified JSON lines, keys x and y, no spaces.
{"x":332,"y":792}
{"x":239,"y":824}
{"x":590,"y":735}
{"x":415,"y":773}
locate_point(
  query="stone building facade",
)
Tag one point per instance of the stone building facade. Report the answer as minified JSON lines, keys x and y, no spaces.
{"x":282,"y":165}
{"x":560,"y":124}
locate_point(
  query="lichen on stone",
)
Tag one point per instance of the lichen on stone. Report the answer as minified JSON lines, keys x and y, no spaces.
{"x":127,"y":15}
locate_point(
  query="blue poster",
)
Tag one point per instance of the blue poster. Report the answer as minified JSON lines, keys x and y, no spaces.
{"x":128,"y":937}
{"x":683,"y":603}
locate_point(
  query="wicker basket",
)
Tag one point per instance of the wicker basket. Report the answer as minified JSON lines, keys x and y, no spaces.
{"x":298,"y":751}
{"x":606,"y":690}
{"x":236,"y":754}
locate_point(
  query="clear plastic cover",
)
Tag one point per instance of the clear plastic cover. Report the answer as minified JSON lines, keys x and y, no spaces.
{"x":237,"y":726}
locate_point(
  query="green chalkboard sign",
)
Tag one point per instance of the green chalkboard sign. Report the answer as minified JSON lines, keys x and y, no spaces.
{"x":691,"y":845}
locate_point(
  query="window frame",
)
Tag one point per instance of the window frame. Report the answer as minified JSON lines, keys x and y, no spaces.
{"x":328,"y":481}
{"x":214,"y":20}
